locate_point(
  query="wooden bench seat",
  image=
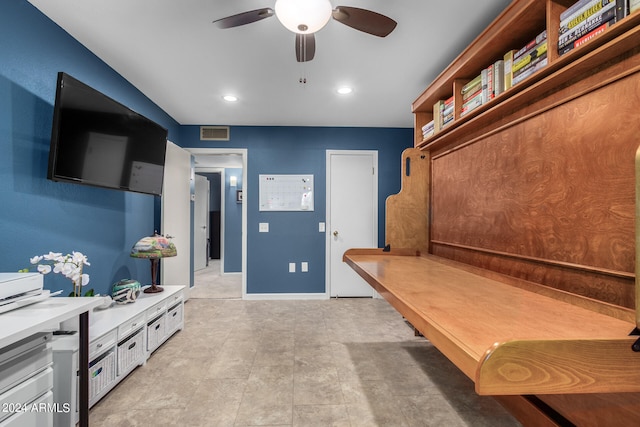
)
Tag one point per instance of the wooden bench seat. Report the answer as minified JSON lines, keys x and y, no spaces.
{"x":508,"y":340}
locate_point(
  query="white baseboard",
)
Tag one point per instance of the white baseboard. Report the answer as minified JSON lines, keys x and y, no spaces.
{"x":275,"y":297}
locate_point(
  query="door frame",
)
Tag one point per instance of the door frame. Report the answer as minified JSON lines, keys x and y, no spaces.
{"x":207,"y":202}
{"x":329,"y":153}
{"x":244,"y":153}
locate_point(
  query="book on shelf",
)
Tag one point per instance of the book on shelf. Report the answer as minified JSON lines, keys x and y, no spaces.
{"x":531,"y":63}
{"x":622,"y":9}
{"x":508,"y":68}
{"x":498,"y":77}
{"x":587,"y":37}
{"x":487,"y":84}
{"x":428,"y":129}
{"x":531,"y":45}
{"x":471,"y":86}
{"x":529,"y":71}
{"x":594,"y":7}
{"x":447,"y":112}
{"x":588,"y":26}
{"x":471,"y":104}
{"x":437,"y":115}
{"x":531,"y":54}
{"x":467,"y":96}
{"x":571,"y":10}
{"x":530,"y":60}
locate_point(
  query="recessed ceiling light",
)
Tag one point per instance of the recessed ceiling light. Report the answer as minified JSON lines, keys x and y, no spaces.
{"x":345,"y":90}
{"x":230,"y":98}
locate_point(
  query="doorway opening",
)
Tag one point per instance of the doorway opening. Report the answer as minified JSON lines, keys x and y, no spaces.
{"x":223,"y":275}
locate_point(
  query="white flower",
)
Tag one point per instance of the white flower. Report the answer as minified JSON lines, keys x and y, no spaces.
{"x":78,"y":258}
{"x":69,"y":265}
{"x":53,"y":256}
{"x":44,"y":269}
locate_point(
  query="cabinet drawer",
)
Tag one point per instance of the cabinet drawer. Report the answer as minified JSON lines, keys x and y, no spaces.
{"x":102,"y":373}
{"x":101,"y":344}
{"x":157,"y":310}
{"x":155,"y":333}
{"x":24,"y":364}
{"x":171,"y":301}
{"x":174,"y":318}
{"x":25,"y":392}
{"x":130,"y":351}
{"x":130,"y":326}
{"x":33,"y":418}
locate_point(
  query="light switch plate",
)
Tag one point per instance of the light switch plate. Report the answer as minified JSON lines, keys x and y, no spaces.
{"x":263,"y":227}
{"x":321,"y":227}
{"x":292,"y":267}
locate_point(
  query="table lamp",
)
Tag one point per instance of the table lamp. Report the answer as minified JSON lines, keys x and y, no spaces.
{"x":153,"y":248}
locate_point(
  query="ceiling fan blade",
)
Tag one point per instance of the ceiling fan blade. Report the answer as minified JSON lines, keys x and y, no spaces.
{"x":244,"y":18}
{"x":364,"y":20}
{"x":305,"y":47}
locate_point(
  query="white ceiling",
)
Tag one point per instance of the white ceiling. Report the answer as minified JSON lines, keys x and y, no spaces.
{"x":170,"y":50}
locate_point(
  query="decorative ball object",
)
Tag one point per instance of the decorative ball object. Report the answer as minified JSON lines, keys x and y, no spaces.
{"x":125,"y":291}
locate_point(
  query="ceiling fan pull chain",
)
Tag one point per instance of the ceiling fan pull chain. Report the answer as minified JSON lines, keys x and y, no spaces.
{"x":303,"y":54}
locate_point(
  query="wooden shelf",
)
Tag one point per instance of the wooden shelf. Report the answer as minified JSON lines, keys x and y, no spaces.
{"x":529,"y":18}
{"x":509,"y":340}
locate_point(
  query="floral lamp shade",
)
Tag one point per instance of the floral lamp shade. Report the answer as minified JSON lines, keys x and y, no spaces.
{"x":153,"y":248}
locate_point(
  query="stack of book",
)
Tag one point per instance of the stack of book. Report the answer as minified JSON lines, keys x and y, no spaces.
{"x":472,"y":94}
{"x":587,"y":19}
{"x":483,"y":88}
{"x":428,"y":129}
{"x":447,"y":111}
{"x":529,"y":59}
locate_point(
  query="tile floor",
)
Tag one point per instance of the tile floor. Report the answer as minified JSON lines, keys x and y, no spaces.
{"x":344,"y":362}
{"x":211,"y":283}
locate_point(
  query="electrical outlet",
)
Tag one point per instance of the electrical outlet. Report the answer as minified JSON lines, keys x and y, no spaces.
{"x":263,"y":227}
{"x":292,"y":267}
{"x":304,"y":267}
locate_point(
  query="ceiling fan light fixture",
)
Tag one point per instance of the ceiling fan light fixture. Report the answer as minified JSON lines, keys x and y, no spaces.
{"x":303,"y":16}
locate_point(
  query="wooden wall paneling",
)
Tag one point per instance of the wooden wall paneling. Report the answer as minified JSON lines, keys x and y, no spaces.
{"x":407,"y":224}
{"x":556,"y":187}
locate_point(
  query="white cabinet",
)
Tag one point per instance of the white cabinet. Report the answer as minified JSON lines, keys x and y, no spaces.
{"x":26,"y":381}
{"x":121,"y":338}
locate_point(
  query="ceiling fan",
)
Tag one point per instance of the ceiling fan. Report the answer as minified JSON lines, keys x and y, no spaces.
{"x":305,"y":17}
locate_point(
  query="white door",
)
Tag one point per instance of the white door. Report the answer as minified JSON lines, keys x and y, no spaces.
{"x":201,"y":223}
{"x":176,"y":215}
{"x":352,"y":216}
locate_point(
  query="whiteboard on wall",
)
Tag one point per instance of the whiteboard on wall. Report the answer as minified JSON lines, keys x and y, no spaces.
{"x":286,"y":192}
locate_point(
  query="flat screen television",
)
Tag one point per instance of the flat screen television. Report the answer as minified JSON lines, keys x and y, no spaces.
{"x":98,"y":141}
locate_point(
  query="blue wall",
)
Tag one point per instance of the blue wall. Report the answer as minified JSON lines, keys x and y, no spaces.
{"x":38,"y":215}
{"x":294,"y":236}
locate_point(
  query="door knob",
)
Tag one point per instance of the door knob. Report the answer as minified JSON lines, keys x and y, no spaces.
{"x":335,"y":233}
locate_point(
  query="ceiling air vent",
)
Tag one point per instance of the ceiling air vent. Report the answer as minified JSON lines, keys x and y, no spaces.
{"x":214,"y":133}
